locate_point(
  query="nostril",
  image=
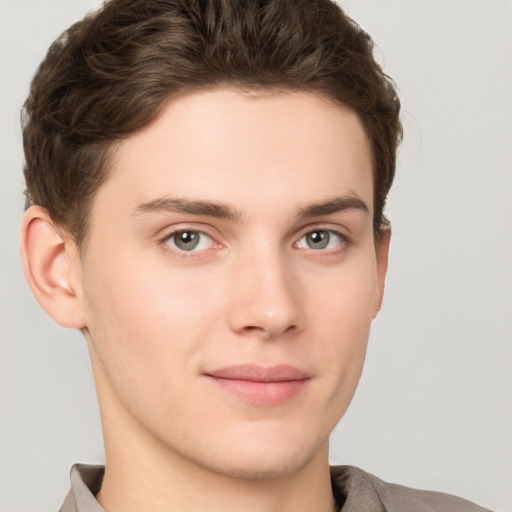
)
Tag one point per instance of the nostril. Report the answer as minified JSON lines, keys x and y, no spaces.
{"x":268,"y":331}
{"x":252,"y":329}
{"x":269,"y":308}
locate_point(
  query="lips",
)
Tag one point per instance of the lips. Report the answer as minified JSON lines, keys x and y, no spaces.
{"x":261,"y":385}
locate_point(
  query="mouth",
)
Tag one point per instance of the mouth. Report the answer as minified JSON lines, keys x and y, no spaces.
{"x":261,"y":385}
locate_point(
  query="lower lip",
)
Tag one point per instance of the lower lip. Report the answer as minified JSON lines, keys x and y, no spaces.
{"x":262,"y":393}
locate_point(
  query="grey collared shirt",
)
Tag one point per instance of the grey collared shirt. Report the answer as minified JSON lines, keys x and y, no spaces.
{"x":354,"y":490}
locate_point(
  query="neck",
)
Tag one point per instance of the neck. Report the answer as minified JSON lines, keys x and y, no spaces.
{"x":142,"y":474}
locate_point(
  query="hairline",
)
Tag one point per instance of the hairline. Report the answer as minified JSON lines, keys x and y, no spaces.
{"x":255,"y":91}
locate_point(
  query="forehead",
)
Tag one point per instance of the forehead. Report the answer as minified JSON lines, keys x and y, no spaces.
{"x":229,"y":145}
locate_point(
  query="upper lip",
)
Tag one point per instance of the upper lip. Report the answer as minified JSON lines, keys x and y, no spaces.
{"x":257,"y":373}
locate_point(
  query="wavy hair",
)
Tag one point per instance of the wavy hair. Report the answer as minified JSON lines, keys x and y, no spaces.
{"x":109,"y":75}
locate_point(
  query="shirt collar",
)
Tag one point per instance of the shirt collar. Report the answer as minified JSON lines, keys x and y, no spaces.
{"x":85,"y":484}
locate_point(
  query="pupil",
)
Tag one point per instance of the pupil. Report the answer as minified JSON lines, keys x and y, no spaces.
{"x":186,"y":240}
{"x":318,"y":239}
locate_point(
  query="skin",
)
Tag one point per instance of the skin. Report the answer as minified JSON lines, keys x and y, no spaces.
{"x":158,"y":319}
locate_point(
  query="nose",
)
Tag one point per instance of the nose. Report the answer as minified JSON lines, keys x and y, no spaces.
{"x":267,"y":299}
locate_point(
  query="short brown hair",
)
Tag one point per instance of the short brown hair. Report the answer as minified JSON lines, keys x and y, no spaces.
{"x":110,"y":74}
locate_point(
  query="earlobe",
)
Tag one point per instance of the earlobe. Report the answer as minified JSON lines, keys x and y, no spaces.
{"x":382,"y":253}
{"x":48,"y":259}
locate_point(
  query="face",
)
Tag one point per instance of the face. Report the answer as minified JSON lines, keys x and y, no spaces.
{"x":230,"y":279}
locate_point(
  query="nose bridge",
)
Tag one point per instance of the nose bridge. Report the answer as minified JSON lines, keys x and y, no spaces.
{"x":266,"y":301}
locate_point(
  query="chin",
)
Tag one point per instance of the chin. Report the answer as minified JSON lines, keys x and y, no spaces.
{"x":261,"y":458}
{"x":263,"y":467}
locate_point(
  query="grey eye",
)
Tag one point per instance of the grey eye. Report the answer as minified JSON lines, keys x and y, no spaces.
{"x":186,"y":240}
{"x":189,"y":240}
{"x":320,"y":239}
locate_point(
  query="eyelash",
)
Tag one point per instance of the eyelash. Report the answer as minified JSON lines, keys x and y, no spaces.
{"x":344,"y":243}
{"x":176,"y":252}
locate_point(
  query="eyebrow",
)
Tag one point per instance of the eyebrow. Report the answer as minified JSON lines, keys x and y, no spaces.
{"x":335,"y":205}
{"x":207,"y":208}
{"x":222,"y":211}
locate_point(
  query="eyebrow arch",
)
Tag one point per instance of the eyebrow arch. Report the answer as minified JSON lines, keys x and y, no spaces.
{"x":221,"y":211}
{"x":167,"y":204}
{"x":334,"y":205}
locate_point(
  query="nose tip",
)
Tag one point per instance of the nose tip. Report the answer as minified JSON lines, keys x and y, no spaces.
{"x":267,"y":304}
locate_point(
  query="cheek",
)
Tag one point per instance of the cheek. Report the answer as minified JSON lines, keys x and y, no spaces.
{"x":145,"y":320}
{"x":344,"y":298}
{"x":341,"y":319}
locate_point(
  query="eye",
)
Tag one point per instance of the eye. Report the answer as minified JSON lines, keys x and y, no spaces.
{"x":189,"y":240}
{"x":321,"y":239}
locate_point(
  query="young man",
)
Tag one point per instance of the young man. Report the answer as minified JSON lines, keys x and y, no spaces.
{"x":206,"y":184}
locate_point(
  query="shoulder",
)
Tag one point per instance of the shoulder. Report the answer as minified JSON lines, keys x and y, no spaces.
{"x":360,"y":491}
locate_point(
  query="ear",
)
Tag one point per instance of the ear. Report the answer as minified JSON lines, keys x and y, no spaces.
{"x":382,"y":253}
{"x":51,"y":265}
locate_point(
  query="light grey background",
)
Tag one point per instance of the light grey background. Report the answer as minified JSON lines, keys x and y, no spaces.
{"x":434,"y":407}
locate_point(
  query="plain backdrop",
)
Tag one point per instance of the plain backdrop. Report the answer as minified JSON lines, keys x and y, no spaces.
{"x":434,"y":407}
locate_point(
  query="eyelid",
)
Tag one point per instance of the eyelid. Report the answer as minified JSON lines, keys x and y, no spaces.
{"x":173,"y":236}
{"x":342,"y":232}
{"x":169,"y":232}
{"x":337,"y":230}
{"x":179,"y":227}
